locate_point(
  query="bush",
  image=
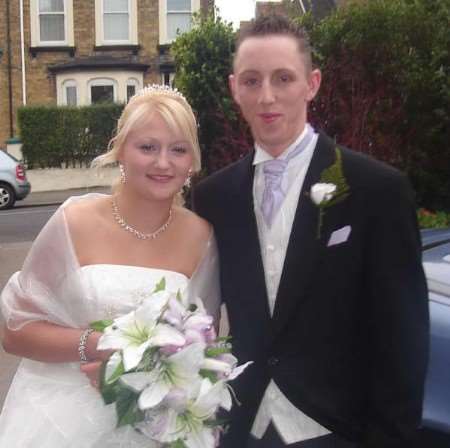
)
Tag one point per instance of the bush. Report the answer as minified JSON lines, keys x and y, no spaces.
{"x":430,"y":220}
{"x":58,"y":137}
{"x":386,"y":87}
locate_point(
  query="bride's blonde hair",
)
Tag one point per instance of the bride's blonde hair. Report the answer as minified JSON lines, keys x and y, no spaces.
{"x":174,"y":110}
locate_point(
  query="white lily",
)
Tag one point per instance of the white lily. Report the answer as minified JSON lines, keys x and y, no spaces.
{"x":210,"y":397}
{"x":176,"y":371}
{"x":134,"y":332}
{"x":188,"y":424}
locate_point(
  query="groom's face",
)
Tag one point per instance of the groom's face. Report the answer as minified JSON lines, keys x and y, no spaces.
{"x":273,"y":87}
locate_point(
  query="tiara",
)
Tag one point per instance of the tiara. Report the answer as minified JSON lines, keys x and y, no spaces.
{"x":160,"y":89}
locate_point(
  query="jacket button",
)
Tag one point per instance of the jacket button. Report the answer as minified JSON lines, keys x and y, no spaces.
{"x":272,"y":361}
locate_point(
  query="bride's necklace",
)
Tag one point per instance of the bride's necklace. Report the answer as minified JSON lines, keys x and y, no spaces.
{"x":142,"y":236}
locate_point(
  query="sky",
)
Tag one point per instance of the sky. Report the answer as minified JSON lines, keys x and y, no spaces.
{"x":236,"y":10}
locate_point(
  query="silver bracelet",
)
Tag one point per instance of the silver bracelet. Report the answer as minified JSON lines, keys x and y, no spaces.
{"x":82,"y":344}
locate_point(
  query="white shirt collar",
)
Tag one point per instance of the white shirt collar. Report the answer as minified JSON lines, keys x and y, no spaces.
{"x":261,"y":155}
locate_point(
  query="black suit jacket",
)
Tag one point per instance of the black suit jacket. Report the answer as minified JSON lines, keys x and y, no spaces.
{"x":348,"y":340}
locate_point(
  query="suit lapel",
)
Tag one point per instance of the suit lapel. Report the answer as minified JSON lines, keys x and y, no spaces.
{"x":304,"y":246}
{"x":251,"y":277}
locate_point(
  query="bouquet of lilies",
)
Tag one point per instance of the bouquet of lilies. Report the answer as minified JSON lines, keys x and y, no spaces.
{"x":168,"y":374}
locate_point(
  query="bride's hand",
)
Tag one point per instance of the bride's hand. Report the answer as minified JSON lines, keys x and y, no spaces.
{"x":91,"y":348}
{"x":92,"y":371}
{"x":92,"y":368}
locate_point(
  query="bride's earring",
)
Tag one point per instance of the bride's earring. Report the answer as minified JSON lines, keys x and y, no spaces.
{"x":123,"y":177}
{"x":187,"y":182}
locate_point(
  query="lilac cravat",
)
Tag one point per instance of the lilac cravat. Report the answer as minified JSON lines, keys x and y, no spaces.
{"x":273,"y":170}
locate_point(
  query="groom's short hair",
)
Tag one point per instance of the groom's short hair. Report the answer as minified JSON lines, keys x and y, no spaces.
{"x":276,"y":24}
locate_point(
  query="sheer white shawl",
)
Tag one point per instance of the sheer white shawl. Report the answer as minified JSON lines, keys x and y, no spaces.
{"x":49,"y":286}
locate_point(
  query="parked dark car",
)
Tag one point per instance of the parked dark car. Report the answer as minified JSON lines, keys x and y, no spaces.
{"x":14,"y":185}
{"x":436,"y":410}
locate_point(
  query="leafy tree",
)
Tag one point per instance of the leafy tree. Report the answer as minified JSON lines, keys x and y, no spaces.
{"x":203,"y":60}
{"x":386,"y":86}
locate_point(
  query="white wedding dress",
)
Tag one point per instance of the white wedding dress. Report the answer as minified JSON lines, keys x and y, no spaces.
{"x":52,"y":405}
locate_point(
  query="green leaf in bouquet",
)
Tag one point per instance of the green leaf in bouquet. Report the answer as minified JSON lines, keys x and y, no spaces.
{"x":109,"y":392}
{"x":160,"y":286}
{"x":213,"y":352}
{"x":100,"y":325}
{"x":177,"y":444}
{"x":118,"y":372}
{"x":111,"y":388}
{"x":212,"y":376}
{"x":127,"y":408}
{"x":149,"y":360}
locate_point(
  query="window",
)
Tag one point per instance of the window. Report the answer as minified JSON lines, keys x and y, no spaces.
{"x":51,"y":21}
{"x":175,"y":18}
{"x":132,"y":86}
{"x":178,"y":17}
{"x":70,"y":94}
{"x":116,"y":20}
{"x":131,"y":90}
{"x":102,"y":91}
{"x":167,"y":78}
{"x":102,"y":94}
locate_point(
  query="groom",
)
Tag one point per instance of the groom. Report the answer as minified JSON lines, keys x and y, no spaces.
{"x":323,"y":283}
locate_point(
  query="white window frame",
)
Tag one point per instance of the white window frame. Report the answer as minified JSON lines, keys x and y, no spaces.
{"x":103,"y":82}
{"x":132,"y":25}
{"x":163,"y":12}
{"x":36,"y":29}
{"x":70,"y":83}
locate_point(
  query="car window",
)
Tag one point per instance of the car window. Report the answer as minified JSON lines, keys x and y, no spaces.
{"x":436,"y":263}
{"x":8,"y":155}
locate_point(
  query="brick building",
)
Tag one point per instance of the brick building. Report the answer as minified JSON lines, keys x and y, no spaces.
{"x":77,"y":52}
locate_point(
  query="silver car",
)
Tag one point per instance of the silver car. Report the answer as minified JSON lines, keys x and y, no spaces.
{"x":13,"y":181}
{"x":436,"y":410}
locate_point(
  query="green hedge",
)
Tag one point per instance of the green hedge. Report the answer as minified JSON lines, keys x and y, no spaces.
{"x":54,"y":136}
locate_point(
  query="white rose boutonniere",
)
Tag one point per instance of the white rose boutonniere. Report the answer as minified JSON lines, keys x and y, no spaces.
{"x":331,"y":189}
{"x":322,"y":192}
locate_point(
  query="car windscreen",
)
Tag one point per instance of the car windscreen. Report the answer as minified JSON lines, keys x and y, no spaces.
{"x":8,"y":155}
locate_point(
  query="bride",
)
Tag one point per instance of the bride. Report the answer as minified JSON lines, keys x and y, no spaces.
{"x":96,"y":258}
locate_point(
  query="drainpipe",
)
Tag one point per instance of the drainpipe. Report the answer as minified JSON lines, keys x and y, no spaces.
{"x":9,"y":62}
{"x":302,"y":6}
{"x":22,"y":55}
